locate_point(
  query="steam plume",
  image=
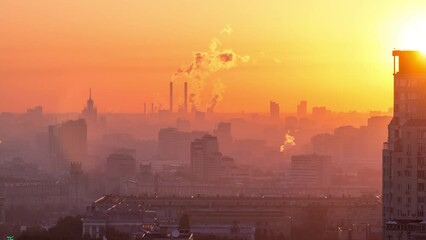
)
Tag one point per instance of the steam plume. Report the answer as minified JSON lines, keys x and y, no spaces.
{"x":226,"y":30}
{"x":218,"y":90}
{"x":288,"y":142}
{"x":206,"y":63}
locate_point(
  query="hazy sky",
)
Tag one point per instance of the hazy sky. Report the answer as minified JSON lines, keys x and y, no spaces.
{"x":332,"y":53}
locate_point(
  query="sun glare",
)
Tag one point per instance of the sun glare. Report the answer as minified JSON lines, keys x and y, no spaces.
{"x":414,"y":35}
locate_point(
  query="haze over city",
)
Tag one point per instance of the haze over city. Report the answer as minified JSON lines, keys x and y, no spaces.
{"x":212,"y":120}
{"x":128,"y":52}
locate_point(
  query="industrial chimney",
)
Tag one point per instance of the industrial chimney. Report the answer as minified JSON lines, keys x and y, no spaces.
{"x":171,"y":97}
{"x":186,"y":96}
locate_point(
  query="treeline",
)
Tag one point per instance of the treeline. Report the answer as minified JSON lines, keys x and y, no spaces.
{"x":68,"y":228}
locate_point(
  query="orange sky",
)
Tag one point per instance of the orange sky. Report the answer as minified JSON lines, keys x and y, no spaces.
{"x":332,"y":53}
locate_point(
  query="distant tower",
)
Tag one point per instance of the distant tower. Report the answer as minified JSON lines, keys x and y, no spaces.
{"x":90,"y":101}
{"x":90,"y":112}
{"x":274,"y":110}
{"x":144,"y":108}
{"x":302,"y":109}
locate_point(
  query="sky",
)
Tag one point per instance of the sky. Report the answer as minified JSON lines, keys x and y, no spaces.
{"x":330,"y":53}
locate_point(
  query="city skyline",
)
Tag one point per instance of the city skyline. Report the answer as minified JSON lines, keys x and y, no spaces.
{"x":129,"y":60}
{"x":213,"y":120}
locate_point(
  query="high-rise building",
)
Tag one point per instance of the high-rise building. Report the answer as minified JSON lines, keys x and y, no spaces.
{"x":77,"y":185}
{"x":173,"y":145}
{"x":274,"y":110}
{"x":310,"y":170}
{"x":119,"y":167}
{"x":224,"y":136}
{"x":206,"y":161}
{"x":404,"y":154}
{"x":90,"y":112}
{"x":67,"y":143}
{"x":302,"y":109}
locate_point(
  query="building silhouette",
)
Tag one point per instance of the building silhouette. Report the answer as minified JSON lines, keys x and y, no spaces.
{"x":404,"y":154}
{"x":207,"y":163}
{"x":119,"y":167}
{"x":90,"y":112}
{"x":173,"y":145}
{"x":302,"y":109}
{"x":224,"y":136}
{"x":67,"y":143}
{"x":310,"y":170}
{"x":274,"y":110}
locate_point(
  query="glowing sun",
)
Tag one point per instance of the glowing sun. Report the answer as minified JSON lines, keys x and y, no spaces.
{"x":414,"y":35}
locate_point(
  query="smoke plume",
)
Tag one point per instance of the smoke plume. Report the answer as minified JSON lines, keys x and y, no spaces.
{"x":218,"y":90}
{"x":288,"y":142}
{"x":206,"y":63}
{"x":226,"y":30}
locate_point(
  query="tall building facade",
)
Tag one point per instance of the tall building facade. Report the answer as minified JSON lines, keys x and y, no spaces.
{"x":173,"y":145}
{"x":310,"y":170}
{"x":204,"y":157}
{"x":224,"y":136}
{"x":274,"y":110}
{"x":119,"y":167}
{"x":302,"y":109}
{"x":404,"y":165}
{"x":207,"y":163}
{"x":67,"y":143}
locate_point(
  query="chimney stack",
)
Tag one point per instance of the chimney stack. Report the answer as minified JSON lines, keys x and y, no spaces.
{"x":144,"y":108}
{"x":186,"y":96}
{"x":171,"y":97}
{"x":152,"y":107}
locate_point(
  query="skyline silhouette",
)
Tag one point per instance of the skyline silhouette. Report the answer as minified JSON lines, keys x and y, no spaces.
{"x":296,"y":51}
{"x":212,"y":120}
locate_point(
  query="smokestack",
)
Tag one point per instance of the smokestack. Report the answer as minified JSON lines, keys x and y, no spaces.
{"x":144,"y":108}
{"x":171,"y":97}
{"x":186,"y":96}
{"x":152,"y":107}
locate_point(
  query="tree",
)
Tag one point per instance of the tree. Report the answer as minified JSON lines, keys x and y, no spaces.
{"x":184,"y":223}
{"x":112,"y":234}
{"x":68,"y":228}
{"x":35,"y":233}
{"x":313,"y":224}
